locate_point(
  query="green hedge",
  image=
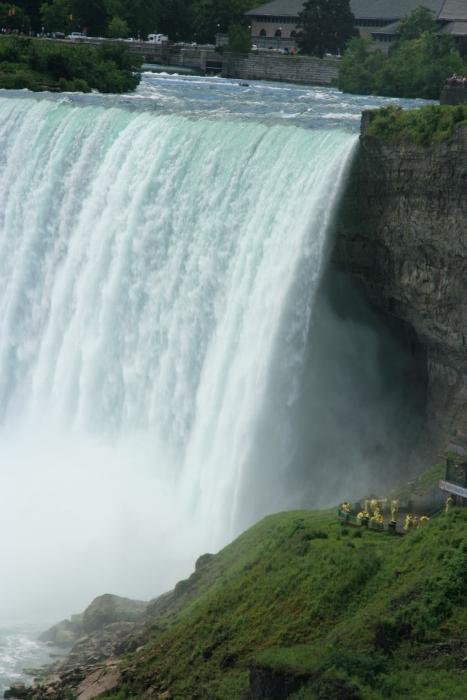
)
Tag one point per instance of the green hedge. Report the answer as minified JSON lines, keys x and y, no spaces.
{"x":423,"y":126}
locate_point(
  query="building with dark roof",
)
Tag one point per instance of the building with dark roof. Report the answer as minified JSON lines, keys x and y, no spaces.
{"x":274,"y":24}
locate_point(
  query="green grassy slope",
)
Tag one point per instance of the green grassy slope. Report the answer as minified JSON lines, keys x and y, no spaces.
{"x":360,"y":614}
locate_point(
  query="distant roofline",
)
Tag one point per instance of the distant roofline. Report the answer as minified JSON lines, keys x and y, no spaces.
{"x":442,"y":12}
{"x":253,"y":13}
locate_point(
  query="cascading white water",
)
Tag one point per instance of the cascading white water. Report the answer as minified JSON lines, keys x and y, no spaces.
{"x":157,"y":276}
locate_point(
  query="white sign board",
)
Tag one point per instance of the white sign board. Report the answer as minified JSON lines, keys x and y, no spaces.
{"x":453,"y":488}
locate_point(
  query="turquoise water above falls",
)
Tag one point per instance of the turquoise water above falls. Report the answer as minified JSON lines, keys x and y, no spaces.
{"x":304,"y":106}
{"x":271,"y":103}
{"x":159,"y":256}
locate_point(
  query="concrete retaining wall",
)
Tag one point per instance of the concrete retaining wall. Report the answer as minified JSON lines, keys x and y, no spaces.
{"x":202,"y":59}
{"x":291,"y":69}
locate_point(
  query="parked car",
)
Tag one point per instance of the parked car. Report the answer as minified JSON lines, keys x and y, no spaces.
{"x":76,"y":36}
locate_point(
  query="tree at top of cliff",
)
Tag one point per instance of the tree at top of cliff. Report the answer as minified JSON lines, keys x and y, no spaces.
{"x":213,"y":16}
{"x":416,"y":23}
{"x":118,"y":28}
{"x":55,"y":16}
{"x":326,"y":26}
{"x":12,"y":17}
{"x":239,"y":39}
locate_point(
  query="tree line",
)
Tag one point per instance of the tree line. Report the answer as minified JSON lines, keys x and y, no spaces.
{"x":181,"y":20}
{"x":39,"y":65}
{"x":416,"y":65}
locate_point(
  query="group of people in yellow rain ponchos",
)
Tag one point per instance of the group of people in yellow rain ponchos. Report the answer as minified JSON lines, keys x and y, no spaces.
{"x":372,"y":514}
{"x":412,"y":521}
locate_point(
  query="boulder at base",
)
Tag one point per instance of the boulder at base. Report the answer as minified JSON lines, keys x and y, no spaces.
{"x":104,"y":610}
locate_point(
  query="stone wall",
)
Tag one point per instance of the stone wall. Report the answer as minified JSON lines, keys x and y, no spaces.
{"x":291,"y":69}
{"x":198,"y":59}
{"x":402,"y":234}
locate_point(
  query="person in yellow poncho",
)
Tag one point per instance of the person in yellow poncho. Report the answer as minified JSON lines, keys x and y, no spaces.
{"x":363,"y":517}
{"x":377,"y":519}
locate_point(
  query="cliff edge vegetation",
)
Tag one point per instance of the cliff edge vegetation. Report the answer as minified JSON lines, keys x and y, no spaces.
{"x":39,"y":65}
{"x":422,"y":126}
{"x":302,"y":606}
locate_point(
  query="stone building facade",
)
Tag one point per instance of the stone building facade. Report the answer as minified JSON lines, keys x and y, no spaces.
{"x":275,"y":24}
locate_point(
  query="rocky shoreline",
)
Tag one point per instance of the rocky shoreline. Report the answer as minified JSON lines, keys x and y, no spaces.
{"x":93,"y":641}
{"x":96,"y":640}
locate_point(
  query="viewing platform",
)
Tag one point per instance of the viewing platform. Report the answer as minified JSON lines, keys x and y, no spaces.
{"x":455,"y":481}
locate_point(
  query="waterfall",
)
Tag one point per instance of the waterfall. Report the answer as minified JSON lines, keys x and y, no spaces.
{"x":157,"y":276}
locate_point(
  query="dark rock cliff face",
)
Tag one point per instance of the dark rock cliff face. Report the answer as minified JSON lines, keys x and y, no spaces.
{"x":402,"y":234}
{"x":454,"y":95}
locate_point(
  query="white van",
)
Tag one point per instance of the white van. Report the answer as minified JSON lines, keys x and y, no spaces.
{"x":157,"y":38}
{"x":76,"y":36}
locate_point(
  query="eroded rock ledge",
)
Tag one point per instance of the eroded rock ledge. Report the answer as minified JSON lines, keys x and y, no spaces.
{"x":95,"y":641}
{"x":402,"y":234}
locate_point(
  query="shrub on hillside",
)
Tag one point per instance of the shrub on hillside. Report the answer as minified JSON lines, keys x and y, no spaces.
{"x":38,"y":65}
